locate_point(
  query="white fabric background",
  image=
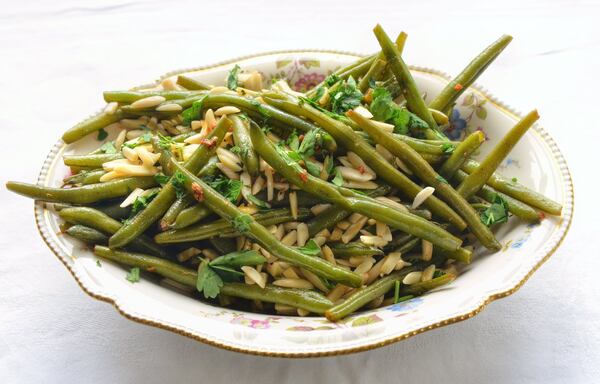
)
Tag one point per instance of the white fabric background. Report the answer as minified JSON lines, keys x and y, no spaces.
{"x":56,"y":58}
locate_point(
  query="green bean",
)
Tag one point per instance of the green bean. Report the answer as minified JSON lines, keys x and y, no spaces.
{"x":239,"y":259}
{"x":406,"y":82}
{"x":462,"y":254}
{"x":91,"y":124}
{"x":516,"y":207}
{"x":352,"y":141}
{"x":113,"y":209}
{"x":159,"y":205}
{"x":342,"y":70}
{"x":424,"y":286}
{"x":350,"y":200}
{"x":372,"y":74}
{"x":191,"y":83}
{"x":85,"y":177}
{"x":261,"y":235}
{"x":174,"y":210}
{"x":479,"y":176}
{"x":305,"y":199}
{"x":398,"y":240}
{"x":224,"y":228}
{"x":242,"y":140}
{"x":329,"y":217}
{"x":452,"y":91}
{"x":85,"y":194}
{"x":104,"y":223}
{"x":365,"y":295}
{"x":410,"y":245}
{"x":424,"y":147}
{"x":439,"y":116}
{"x":87,"y":235}
{"x":295,"y":297}
{"x":425,"y":172}
{"x":151,"y":264}
{"x":461,"y":153}
{"x":257,"y":109}
{"x":344,"y":251}
{"x":517,"y":191}
{"x":94,"y":161}
{"x":128,"y":97}
{"x":191,"y":215}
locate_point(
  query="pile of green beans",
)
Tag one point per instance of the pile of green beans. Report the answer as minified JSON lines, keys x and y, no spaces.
{"x":270,"y":200}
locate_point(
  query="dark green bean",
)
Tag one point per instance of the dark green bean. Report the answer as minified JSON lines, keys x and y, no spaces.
{"x":174,"y":210}
{"x":85,"y":194}
{"x":224,"y":228}
{"x":424,"y":286}
{"x":461,"y":153}
{"x":373,"y":73}
{"x":261,"y":235}
{"x":350,"y":200}
{"x":85,"y":177}
{"x":191,"y":215}
{"x":425,"y":172}
{"x":91,"y":124}
{"x":345,"y":136}
{"x":344,"y":251}
{"x":94,"y":161}
{"x":104,"y":223}
{"x":159,"y":205}
{"x":365,"y":295}
{"x":87,"y":235}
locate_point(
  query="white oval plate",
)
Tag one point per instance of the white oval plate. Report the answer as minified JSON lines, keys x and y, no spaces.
{"x":536,"y":162}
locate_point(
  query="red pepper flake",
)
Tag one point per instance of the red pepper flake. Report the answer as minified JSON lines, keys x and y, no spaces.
{"x":209,"y":143}
{"x":301,"y":138}
{"x":198,"y":192}
{"x":303,"y":176}
{"x":151,"y":269}
{"x":542,"y":216}
{"x":361,"y":169}
{"x":458,"y":87}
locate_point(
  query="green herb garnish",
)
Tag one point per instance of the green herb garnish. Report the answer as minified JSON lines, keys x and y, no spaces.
{"x":178,"y":180}
{"x":161,"y":178}
{"x":133,"y":275}
{"x":232,"y":78}
{"x":108,"y":147}
{"x":346,"y":97}
{"x":208,"y":282}
{"x":193,"y":112}
{"x":102,"y":134}
{"x":338,"y":179}
{"x":311,"y":248}
{"x":497,"y":212}
{"x":384,"y":109}
{"x":230,"y":189}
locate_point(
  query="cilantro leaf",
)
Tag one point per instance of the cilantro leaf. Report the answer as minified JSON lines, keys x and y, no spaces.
{"x":178,"y":180}
{"x":310,"y":141}
{"x":230,"y":189}
{"x":227,"y":274}
{"x":108,"y":147}
{"x":338,"y":179}
{"x":208,"y":282}
{"x":497,"y":212}
{"x":447,"y":148}
{"x":331,"y":79}
{"x":384,"y":109}
{"x":232,"y":78}
{"x":258,"y":202}
{"x":312,"y":168}
{"x":193,"y":112}
{"x":165,"y":142}
{"x":293,"y":141}
{"x":241,"y":223}
{"x":142,"y":202}
{"x":311,"y":248}
{"x":346,"y":97}
{"x":161,"y":178}
{"x":102,"y":134}
{"x":133,"y":275}
{"x":98,"y":264}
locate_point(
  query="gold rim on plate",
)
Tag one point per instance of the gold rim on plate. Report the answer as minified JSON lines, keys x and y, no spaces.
{"x":568,"y":199}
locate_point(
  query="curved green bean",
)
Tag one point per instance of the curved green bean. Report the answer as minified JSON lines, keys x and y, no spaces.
{"x":486,"y":169}
{"x":85,"y":194}
{"x":350,"y":200}
{"x":353,"y":142}
{"x":262,"y":236}
{"x":190,"y":83}
{"x":373,"y":73}
{"x":87,"y":235}
{"x":85,"y":177}
{"x":94,"y":161}
{"x":100,"y":221}
{"x":452,"y":91}
{"x":159,"y":205}
{"x":174,"y":210}
{"x":191,"y":215}
{"x":423,"y":286}
{"x":425,"y":172}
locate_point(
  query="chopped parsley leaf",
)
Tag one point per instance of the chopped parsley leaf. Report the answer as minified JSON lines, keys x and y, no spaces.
{"x":193,"y":112}
{"x":338,"y":179}
{"x":133,"y":275}
{"x":311,"y":248}
{"x":178,"y":180}
{"x":447,"y":148}
{"x":497,"y":212}
{"x":108,"y":147}
{"x":232,"y":78}
{"x":161,"y":178}
{"x":142,"y":202}
{"x":98,"y":263}
{"x":102,"y":134}
{"x":384,"y":109}
{"x":258,"y":202}
{"x":208,"y":282}
{"x":346,"y":97}
{"x":230,"y":189}
{"x":312,"y":168}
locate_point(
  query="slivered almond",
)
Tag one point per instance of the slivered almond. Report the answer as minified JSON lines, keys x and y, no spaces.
{"x":254,"y":276}
{"x":293,"y":283}
{"x":351,"y":174}
{"x":131,"y":198}
{"x":171,"y":107}
{"x":302,"y":236}
{"x":422,"y":196}
{"x":360,"y":184}
{"x":389,"y":264}
{"x":147,"y":102}
{"x":290,"y":238}
{"x":428,"y":272}
{"x":426,"y":250}
{"x":364,"y":112}
{"x":227,"y":110}
{"x":130,"y":154}
{"x":111,"y":108}
{"x":353,"y":230}
{"x":228,"y":172}
{"x":412,"y":278}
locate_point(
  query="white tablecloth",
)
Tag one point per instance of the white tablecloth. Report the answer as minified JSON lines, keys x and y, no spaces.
{"x":57,"y":57}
